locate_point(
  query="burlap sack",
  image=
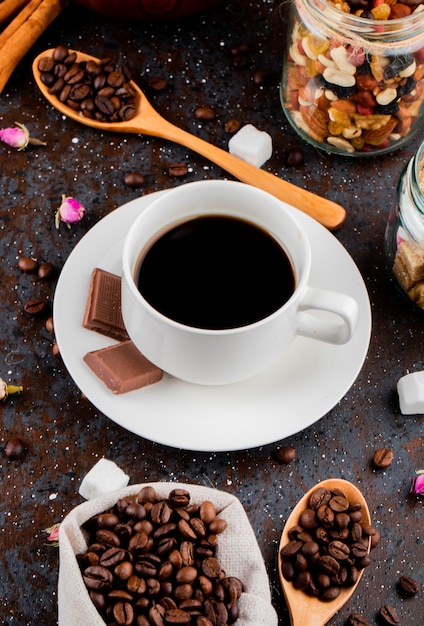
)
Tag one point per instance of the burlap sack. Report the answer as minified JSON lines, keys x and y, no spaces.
{"x":238,"y":553}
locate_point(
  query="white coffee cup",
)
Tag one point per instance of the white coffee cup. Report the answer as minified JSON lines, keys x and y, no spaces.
{"x":216,"y":357}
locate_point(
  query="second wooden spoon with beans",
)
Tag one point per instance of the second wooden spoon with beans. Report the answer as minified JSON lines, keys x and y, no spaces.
{"x":306,"y":610}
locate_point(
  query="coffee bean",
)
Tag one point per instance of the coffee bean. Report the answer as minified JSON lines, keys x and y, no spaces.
{"x":27,"y":264}
{"x":359,"y":550}
{"x":177,"y":616}
{"x":207,"y":512}
{"x":178,"y":169}
{"x":217,"y":526}
{"x":330,"y":594}
{"x":285,"y":455}
{"x":389,"y":615}
{"x":325,"y":515}
{"x":123,"y":613}
{"x":134,"y":180}
{"x":355,"y":619}
{"x":338,"y":550}
{"x":240,"y":54}
{"x":408,"y":585}
{"x":339,"y":503}
{"x":232,"y":126}
{"x":308,"y":519}
{"x":112,"y":557}
{"x":302,"y":580}
{"x":126,"y":112}
{"x":179,"y":498}
{"x":310,"y":549}
{"x":14,"y":448}
{"x":342,"y":520}
{"x":108,"y":537}
{"x":260,"y":77}
{"x":157,"y":83}
{"x":97,"y":578}
{"x":295,"y":157}
{"x":60,"y":54}
{"x":319,"y":497}
{"x":46,"y":271}
{"x":205,"y":114}
{"x":107,"y":520}
{"x":161,"y":512}
{"x":34,"y":307}
{"x":328,"y":565}
{"x":211,"y":567}
{"x":136,"y":510}
{"x":373,"y":533}
{"x":383,"y":457}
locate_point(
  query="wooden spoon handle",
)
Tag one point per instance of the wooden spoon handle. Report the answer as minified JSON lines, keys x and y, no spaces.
{"x":325,"y":211}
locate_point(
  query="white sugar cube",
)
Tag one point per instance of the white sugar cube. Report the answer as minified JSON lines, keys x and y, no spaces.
{"x":251,"y":145}
{"x":103,"y":477}
{"x":411,"y":393}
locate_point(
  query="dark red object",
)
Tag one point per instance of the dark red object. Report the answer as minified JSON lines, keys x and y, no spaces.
{"x":148,"y":10}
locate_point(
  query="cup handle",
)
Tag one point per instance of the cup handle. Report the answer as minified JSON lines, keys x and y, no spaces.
{"x":335,"y":330}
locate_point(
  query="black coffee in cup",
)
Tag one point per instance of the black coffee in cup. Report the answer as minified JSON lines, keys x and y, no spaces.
{"x":215,"y":272}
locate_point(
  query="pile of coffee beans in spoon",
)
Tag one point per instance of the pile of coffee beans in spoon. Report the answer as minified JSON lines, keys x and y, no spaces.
{"x":329,"y":546}
{"x":100,"y":89}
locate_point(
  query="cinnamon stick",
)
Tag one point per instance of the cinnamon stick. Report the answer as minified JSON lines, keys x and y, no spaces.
{"x":16,"y":24}
{"x":9,"y":8}
{"x":23,"y":32}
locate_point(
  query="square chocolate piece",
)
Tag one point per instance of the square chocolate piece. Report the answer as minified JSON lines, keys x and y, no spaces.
{"x":122,"y":367}
{"x":103,"y":312}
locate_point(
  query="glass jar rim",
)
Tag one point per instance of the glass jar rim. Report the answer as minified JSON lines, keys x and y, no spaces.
{"x":385,"y":35}
{"x":418,"y":173}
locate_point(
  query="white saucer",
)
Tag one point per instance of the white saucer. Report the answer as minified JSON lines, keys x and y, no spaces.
{"x":292,"y":395}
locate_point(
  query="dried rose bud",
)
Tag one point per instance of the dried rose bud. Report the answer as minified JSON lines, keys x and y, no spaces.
{"x":18,"y":137}
{"x":53,"y":534}
{"x":418,"y":483}
{"x":7,"y":390}
{"x":69,"y":212}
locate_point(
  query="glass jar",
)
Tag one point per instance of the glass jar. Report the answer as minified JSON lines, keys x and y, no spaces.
{"x":353,"y":85}
{"x":404,"y":236}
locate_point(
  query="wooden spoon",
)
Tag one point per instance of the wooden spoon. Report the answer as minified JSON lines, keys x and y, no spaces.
{"x":307,"y":610}
{"x":147,"y":121}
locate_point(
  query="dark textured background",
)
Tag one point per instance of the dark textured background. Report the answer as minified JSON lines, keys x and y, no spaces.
{"x":64,"y":434}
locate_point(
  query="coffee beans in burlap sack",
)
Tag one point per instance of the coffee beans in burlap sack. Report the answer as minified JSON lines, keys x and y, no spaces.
{"x":237,"y":551}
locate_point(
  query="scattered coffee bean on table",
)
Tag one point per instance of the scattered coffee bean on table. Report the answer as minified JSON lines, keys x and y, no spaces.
{"x":134,"y":180}
{"x":329,"y":547}
{"x":408,"y":585}
{"x":153,"y":562}
{"x":383,"y":457}
{"x":14,"y":448}
{"x":205,"y":114}
{"x":295,"y":157}
{"x":157,"y":83}
{"x":46,"y":271}
{"x":287,"y":454}
{"x":232,"y":126}
{"x":35,"y":306}
{"x":178,"y":170}
{"x":389,"y":615}
{"x":355,"y":619}
{"x":99,"y":90}
{"x":50,"y":325}
{"x":27,"y":264}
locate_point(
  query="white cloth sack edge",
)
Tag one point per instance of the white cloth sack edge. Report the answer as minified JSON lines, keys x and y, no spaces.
{"x":238,"y":553}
